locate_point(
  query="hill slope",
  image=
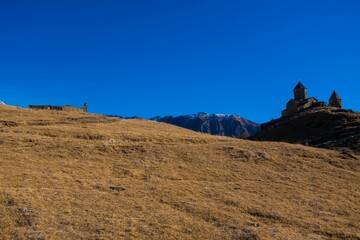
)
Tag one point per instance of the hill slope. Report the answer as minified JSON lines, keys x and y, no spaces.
{"x":63,"y":176}
{"x":320,"y":127}
{"x":216,"y":124}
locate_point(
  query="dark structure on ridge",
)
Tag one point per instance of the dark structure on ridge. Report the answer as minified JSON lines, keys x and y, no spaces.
{"x":60,"y":108}
{"x":302,"y":102}
{"x":310,"y":122}
{"x":335,"y":100}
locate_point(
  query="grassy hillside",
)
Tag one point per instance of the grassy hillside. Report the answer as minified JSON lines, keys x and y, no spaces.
{"x":63,"y":175}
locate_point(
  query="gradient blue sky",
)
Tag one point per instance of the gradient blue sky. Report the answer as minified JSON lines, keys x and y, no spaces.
{"x":148,"y":58}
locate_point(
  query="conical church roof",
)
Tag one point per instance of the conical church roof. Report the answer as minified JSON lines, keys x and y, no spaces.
{"x":334,"y":95}
{"x":299,"y":86}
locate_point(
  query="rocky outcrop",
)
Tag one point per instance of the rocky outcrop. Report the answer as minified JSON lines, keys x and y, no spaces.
{"x":325,"y":127}
{"x":216,"y":124}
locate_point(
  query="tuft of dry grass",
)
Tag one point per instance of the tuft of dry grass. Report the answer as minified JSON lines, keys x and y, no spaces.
{"x":84,"y":176}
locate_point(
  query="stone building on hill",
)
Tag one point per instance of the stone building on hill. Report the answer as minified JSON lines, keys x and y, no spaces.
{"x":302,"y":102}
{"x":60,"y":108}
{"x":335,"y":100}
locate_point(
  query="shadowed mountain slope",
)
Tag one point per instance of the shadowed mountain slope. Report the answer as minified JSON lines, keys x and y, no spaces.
{"x":82,"y":176}
{"x":216,"y":124}
{"x":328,"y":127}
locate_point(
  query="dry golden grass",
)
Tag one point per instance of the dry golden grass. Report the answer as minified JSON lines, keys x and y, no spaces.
{"x":57,"y":171}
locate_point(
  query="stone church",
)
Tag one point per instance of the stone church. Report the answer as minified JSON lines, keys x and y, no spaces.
{"x":302,"y":102}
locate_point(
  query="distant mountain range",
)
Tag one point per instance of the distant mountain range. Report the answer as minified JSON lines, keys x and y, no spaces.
{"x":216,"y":124}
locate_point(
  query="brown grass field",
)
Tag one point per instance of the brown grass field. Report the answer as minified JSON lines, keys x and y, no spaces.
{"x":60,"y":173}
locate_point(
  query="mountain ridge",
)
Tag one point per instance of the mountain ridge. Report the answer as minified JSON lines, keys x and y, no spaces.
{"x":230,"y":125}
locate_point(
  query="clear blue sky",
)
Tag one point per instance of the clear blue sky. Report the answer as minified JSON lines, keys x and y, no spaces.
{"x":148,"y":58}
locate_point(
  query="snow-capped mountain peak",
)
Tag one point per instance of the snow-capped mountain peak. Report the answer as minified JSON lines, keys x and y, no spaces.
{"x":216,"y":124}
